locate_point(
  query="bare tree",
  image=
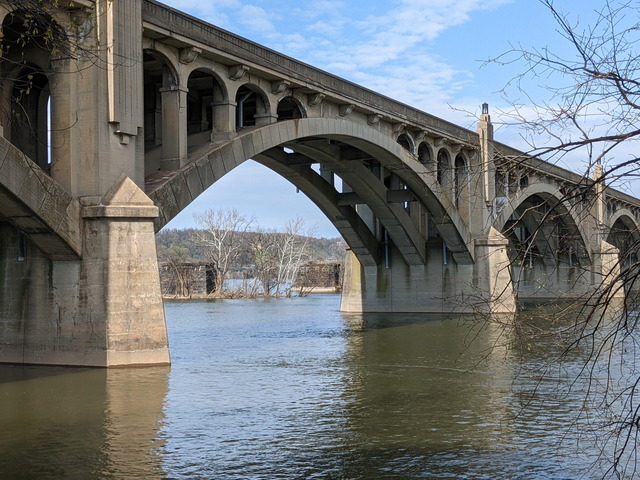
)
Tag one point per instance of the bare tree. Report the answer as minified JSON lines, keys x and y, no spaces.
{"x":591,"y":103}
{"x":263,"y":257}
{"x":277,"y":257}
{"x":291,"y":250}
{"x":590,"y":110}
{"x":222,"y":238}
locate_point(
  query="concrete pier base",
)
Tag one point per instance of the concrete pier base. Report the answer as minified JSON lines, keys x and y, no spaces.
{"x":102,"y":310}
{"x":440,"y":286}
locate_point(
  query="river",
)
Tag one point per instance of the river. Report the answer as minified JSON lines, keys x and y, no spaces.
{"x":293,"y":389}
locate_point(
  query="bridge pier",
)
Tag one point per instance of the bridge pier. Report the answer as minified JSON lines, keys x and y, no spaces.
{"x":102,"y":310}
{"x":439,"y":286}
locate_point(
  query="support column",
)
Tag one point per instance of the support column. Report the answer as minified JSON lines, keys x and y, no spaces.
{"x":607,"y":278}
{"x":174,"y":127}
{"x":122,"y":278}
{"x":62,"y":167}
{"x":606,"y":257}
{"x":104,"y":309}
{"x":435,"y":287}
{"x":224,"y":120}
{"x":493,"y":270}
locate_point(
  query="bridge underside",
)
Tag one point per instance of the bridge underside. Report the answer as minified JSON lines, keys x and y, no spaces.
{"x":415,"y":197}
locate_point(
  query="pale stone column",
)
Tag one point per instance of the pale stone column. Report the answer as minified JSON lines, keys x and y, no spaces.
{"x":61,"y":85}
{"x":606,"y":257}
{"x":122,"y":281}
{"x":607,"y":271}
{"x":494,"y":273}
{"x":600,"y":203}
{"x":224,"y":120}
{"x":174,"y":127}
{"x":352,"y":298}
{"x":481,"y":218}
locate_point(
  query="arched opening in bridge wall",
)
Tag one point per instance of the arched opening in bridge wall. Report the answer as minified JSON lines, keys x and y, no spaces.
{"x":30,"y":119}
{"x":405,"y":142}
{"x":25,"y":95}
{"x":289,"y":109}
{"x":251,"y":107}
{"x":443,"y":170}
{"x":424,"y":154}
{"x":461,"y":185}
{"x":207,"y":107}
{"x":163,"y":143}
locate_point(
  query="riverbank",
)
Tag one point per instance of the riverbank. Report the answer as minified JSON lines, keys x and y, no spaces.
{"x":237,"y":294}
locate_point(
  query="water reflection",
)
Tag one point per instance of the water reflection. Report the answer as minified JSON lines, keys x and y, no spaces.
{"x":422,"y":396}
{"x":291,"y":388}
{"x":80,"y":423}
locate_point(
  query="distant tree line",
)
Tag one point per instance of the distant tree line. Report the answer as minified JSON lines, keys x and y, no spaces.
{"x":235,"y":247}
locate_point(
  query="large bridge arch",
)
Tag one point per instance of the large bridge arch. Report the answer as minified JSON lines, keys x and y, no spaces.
{"x":553,"y":202}
{"x":549,"y":252}
{"x":213,"y":162}
{"x":625,"y":217}
{"x":624,"y":234}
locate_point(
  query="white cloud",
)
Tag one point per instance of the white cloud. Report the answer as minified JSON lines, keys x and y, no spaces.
{"x":256,"y":19}
{"x":215,"y":12}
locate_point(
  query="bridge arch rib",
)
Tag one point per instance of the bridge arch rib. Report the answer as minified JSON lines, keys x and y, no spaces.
{"x":265,"y":144}
{"x":38,"y":206}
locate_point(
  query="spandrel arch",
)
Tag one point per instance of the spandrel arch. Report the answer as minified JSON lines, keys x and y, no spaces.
{"x":26,"y":109}
{"x":252,"y":106}
{"x":290,"y":108}
{"x":165,"y":124}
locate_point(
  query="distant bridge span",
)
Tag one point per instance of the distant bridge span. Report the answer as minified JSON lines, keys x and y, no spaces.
{"x":149,"y":107}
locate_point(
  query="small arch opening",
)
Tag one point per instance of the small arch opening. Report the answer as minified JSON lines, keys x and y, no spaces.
{"x":460,"y":177}
{"x":29,"y":42}
{"x":405,"y":142}
{"x":288,"y":109}
{"x":424,"y":154}
{"x":443,"y":167}
{"x":199,"y":100}
{"x":249,"y":107}
{"x":31,"y":116}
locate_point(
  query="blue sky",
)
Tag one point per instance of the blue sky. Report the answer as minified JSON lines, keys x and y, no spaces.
{"x":426,"y":53}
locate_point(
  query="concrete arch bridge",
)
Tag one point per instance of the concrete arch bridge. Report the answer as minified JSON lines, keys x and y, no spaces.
{"x":147,"y":107}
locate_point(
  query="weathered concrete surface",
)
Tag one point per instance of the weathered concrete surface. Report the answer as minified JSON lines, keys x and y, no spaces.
{"x":104,"y":309}
{"x":439,"y":286}
{"x":38,"y":205}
